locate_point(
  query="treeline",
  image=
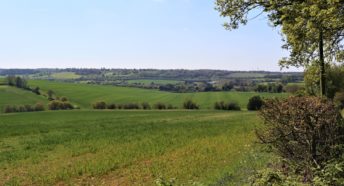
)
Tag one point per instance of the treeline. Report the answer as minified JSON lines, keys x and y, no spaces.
{"x":21,"y":83}
{"x":101,"y":105}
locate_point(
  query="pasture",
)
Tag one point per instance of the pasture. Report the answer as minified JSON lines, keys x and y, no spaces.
{"x":128,"y":147}
{"x":84,"y":95}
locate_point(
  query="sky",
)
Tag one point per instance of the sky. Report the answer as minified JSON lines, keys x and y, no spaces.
{"x":160,"y":34}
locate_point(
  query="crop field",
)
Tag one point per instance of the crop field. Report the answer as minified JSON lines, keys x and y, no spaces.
{"x":84,"y":95}
{"x":15,"y":96}
{"x":65,"y":75}
{"x":149,"y":81}
{"x":128,"y":147}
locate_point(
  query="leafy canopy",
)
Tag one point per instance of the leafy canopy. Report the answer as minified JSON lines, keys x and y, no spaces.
{"x":301,"y":23}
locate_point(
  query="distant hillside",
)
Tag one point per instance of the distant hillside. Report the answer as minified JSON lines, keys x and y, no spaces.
{"x":84,"y":95}
{"x":128,"y":74}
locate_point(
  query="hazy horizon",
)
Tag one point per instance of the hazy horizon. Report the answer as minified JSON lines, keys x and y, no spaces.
{"x":133,"y":34}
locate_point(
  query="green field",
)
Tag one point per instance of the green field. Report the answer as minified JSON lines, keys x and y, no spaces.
{"x":84,"y":95}
{"x":15,"y":96}
{"x":247,"y":75}
{"x":149,"y":81}
{"x":2,"y":81}
{"x":65,"y":75}
{"x":128,"y":147}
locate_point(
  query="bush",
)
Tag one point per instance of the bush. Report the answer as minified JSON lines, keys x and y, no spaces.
{"x":145,"y":106}
{"x":305,"y":131}
{"x":255,"y":103}
{"x":99,"y":105}
{"x":189,"y":104}
{"x":63,"y":99}
{"x":39,"y":107}
{"x":130,"y":106}
{"x":24,"y":108}
{"x":59,"y":105}
{"x":10,"y":109}
{"x":111,"y":106}
{"x":160,"y":106}
{"x":226,"y":106}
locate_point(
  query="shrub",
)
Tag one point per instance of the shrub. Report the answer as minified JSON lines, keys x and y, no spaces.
{"x":111,"y":106}
{"x":24,"y":108}
{"x":99,"y":105}
{"x":145,"y":106}
{"x":160,"y":106}
{"x":255,"y":103}
{"x":305,"y":131}
{"x":63,"y":99}
{"x":39,"y":107}
{"x":10,"y":109}
{"x":130,"y":106}
{"x":29,"y":108}
{"x":170,"y":107}
{"x":59,"y":105}
{"x":226,"y":106}
{"x":189,"y":104}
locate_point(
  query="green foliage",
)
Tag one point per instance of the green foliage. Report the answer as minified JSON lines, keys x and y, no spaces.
{"x":312,"y":30}
{"x":339,"y":99}
{"x":99,"y":105}
{"x":24,"y":108}
{"x":226,"y":106}
{"x":331,"y":174}
{"x":60,"y":105}
{"x":255,"y":103}
{"x":334,"y":77}
{"x":191,"y":105}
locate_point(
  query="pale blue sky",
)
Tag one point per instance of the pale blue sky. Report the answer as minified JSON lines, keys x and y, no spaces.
{"x":164,"y":34}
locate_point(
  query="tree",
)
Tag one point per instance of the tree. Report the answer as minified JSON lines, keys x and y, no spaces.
{"x":313,"y":30}
{"x":255,"y":103}
{"x":50,"y":95}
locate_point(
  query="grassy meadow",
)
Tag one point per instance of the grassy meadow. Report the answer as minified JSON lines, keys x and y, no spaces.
{"x":128,"y":147}
{"x":65,"y":75}
{"x":84,"y":95}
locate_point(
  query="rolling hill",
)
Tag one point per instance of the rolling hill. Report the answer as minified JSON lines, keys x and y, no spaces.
{"x":84,"y":95}
{"x":15,"y":96}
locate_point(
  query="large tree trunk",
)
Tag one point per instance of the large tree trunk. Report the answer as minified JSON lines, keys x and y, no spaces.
{"x":322,"y":66}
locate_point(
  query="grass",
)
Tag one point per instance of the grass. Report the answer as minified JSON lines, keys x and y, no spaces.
{"x":65,"y":75}
{"x":2,"y":81}
{"x":84,"y":95}
{"x":128,"y":147}
{"x":15,"y":96}
{"x":149,"y":81}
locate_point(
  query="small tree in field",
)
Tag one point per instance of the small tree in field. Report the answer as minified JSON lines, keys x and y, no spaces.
{"x":305,"y":131}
